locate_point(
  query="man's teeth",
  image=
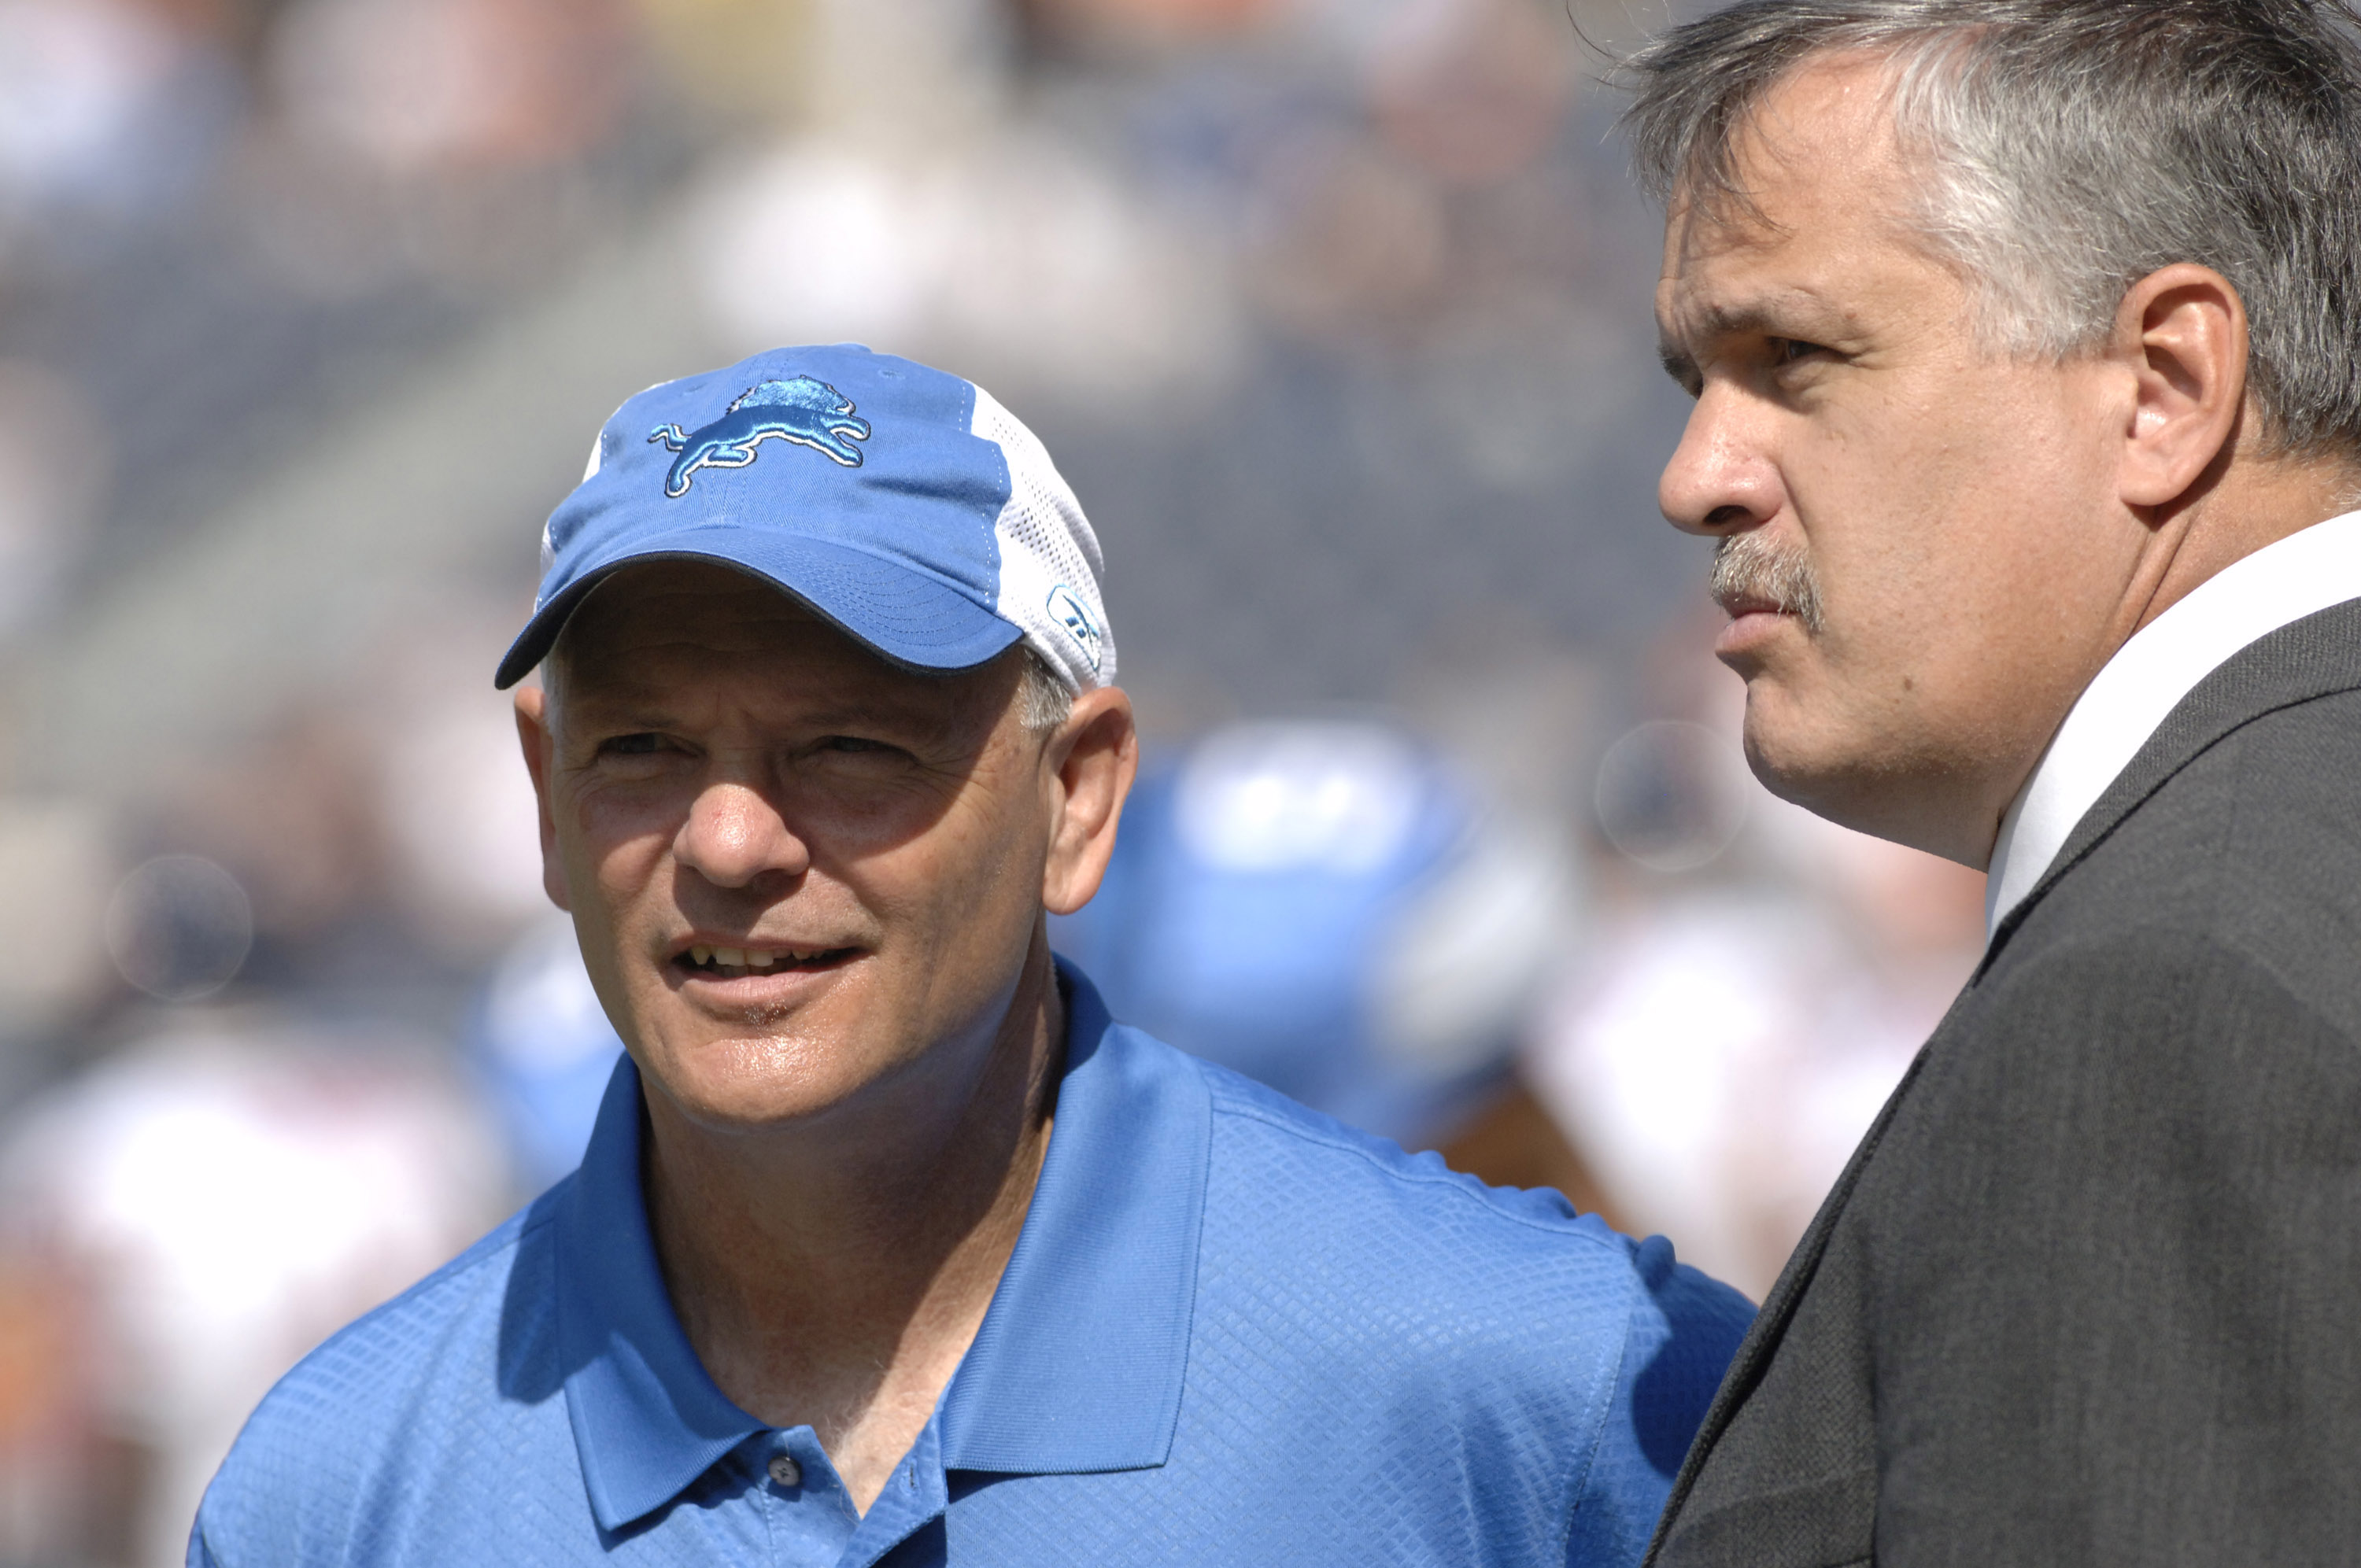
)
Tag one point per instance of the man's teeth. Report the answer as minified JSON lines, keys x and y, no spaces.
{"x":748,"y":958}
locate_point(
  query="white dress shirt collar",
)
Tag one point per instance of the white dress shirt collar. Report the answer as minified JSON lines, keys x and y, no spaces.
{"x":2162,"y":663}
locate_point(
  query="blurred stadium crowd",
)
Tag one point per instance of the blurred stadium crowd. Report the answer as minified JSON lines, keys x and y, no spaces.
{"x":1334,"y":311}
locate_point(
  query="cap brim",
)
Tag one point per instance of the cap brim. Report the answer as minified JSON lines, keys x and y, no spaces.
{"x":898,"y":611}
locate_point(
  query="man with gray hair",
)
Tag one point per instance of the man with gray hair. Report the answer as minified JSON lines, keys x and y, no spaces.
{"x":2029,"y":418}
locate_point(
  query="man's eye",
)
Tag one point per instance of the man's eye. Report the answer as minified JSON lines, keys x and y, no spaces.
{"x":1787,"y":350}
{"x":641,"y":745}
{"x":851,"y":744}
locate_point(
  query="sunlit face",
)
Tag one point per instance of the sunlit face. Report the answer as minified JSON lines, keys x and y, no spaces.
{"x":1952,"y":511}
{"x":796,"y":868}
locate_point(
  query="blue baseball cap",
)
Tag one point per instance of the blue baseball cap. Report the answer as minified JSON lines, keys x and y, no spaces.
{"x":905,"y":505}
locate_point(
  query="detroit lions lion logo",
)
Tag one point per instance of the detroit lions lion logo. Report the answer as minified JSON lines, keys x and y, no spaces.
{"x":804,"y":412}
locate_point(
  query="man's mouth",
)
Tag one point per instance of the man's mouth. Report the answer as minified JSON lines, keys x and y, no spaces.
{"x":1752,"y":574}
{"x":1737,"y":606}
{"x":737,"y":963}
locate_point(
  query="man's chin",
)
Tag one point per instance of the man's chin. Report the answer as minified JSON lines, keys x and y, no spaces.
{"x":1791,"y":780}
{"x":1884,"y":794}
{"x":743,"y":1082}
{"x":1794,"y":763}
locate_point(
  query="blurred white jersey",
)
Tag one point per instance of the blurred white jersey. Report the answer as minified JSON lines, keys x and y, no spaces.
{"x":222,"y":1203}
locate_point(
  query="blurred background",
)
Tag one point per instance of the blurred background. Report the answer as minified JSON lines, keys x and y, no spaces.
{"x":1335,"y":313}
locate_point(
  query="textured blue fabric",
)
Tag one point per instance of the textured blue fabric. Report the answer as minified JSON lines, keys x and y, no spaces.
{"x":1232,"y":1332}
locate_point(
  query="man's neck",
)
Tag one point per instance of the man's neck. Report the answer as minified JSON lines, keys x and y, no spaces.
{"x":2261,"y":502}
{"x":835,"y":1276}
{"x":2256,"y":502}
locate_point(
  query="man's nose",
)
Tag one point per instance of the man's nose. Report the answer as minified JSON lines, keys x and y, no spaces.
{"x":1721,"y":478}
{"x":734,"y":837}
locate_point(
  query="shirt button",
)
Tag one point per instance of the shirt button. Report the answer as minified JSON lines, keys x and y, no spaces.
{"x":786,"y":1471}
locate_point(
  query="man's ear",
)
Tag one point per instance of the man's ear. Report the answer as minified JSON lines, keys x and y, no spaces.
{"x":2182,"y":330}
{"x":1093,"y":757}
{"x":540,"y":743}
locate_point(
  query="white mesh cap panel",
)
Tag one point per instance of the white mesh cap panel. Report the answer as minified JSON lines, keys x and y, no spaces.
{"x":1050,"y":562}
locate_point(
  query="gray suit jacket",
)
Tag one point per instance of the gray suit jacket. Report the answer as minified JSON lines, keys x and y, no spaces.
{"x":2090,"y":1291}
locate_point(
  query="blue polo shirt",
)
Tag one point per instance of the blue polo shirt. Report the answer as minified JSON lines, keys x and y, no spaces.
{"x":1231,"y":1331}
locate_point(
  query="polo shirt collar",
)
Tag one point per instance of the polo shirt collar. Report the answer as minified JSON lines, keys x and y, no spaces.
{"x":1078,"y":1367}
{"x":647,"y":1419}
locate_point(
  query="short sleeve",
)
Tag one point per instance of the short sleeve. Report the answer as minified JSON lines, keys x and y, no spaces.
{"x":1683,"y":1331}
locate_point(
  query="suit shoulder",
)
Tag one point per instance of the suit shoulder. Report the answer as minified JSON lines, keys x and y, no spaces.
{"x":2136,"y":988}
{"x":2253,"y":847}
{"x":2123,"y":1063}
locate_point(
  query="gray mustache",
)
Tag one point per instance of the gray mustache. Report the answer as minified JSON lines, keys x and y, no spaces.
{"x":1748,"y":565}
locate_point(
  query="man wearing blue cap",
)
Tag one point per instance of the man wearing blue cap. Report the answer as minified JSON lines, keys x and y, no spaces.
{"x":890,"y":1246}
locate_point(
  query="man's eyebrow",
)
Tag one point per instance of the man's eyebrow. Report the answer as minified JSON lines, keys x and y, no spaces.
{"x":589,"y":716}
{"x":1775,"y":316}
{"x":1785,"y":315}
{"x":1709,"y":323}
{"x":1738,"y":320}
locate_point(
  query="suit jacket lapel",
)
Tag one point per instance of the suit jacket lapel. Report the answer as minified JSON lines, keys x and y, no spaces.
{"x":2302,"y":659}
